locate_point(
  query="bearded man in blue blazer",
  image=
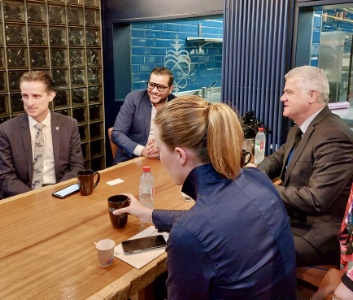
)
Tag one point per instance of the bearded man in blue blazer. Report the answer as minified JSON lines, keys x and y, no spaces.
{"x":62,"y":145}
{"x":317,"y":173}
{"x":133,"y":130}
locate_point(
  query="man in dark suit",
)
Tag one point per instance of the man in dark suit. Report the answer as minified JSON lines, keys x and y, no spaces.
{"x":62,"y":146}
{"x":133,"y":129}
{"x":317,"y":173}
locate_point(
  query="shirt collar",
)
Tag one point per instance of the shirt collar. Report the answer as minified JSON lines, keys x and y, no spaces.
{"x":46,"y":121}
{"x":200,"y":177}
{"x":307,"y":122}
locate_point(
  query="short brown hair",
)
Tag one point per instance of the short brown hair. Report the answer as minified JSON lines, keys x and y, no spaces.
{"x":164,"y":71}
{"x":212,"y":131}
{"x":39,"y":76}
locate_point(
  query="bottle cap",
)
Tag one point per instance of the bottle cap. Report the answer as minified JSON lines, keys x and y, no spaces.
{"x":260,"y":129}
{"x":146,"y":169}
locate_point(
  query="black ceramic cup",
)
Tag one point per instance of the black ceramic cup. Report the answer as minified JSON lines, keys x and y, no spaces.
{"x":116,"y":202}
{"x":87,"y":182}
{"x":246,"y":158}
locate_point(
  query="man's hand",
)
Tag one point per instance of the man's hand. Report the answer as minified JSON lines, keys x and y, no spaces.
{"x":135,"y":208}
{"x":151,"y":150}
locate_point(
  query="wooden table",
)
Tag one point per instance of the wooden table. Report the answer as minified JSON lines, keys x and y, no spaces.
{"x":46,"y":243}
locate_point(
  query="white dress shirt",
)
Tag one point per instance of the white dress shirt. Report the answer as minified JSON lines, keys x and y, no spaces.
{"x":307,"y":122}
{"x":139,"y":148}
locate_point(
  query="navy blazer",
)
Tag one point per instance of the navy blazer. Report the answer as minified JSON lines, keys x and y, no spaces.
{"x":132,"y":124}
{"x":234,"y":243}
{"x":317,"y":181}
{"x":16,"y":159}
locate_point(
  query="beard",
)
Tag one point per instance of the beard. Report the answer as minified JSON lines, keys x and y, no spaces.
{"x":160,"y":101}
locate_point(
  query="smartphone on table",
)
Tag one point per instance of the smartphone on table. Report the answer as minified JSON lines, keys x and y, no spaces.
{"x":143,"y":244}
{"x":67,"y":191}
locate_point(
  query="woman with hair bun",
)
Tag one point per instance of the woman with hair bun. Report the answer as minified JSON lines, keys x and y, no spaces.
{"x":235,"y":242}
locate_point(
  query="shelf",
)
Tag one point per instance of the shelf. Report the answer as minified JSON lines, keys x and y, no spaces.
{"x":202,"y":41}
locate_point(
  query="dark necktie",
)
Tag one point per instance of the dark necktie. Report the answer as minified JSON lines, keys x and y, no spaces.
{"x":298,"y":137}
{"x":38,"y":157}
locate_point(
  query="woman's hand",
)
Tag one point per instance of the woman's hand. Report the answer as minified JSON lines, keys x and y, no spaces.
{"x":135,"y":208}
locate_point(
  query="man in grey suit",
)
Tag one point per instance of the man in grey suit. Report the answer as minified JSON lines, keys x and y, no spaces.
{"x":62,"y":146}
{"x":133,"y":130}
{"x":317,"y":173}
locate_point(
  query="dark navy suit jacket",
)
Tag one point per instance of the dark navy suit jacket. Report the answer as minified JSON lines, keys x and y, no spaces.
{"x":16,"y":161}
{"x":132,"y":124}
{"x":234,"y":243}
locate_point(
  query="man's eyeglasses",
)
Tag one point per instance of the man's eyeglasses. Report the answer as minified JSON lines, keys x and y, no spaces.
{"x":160,"y":88}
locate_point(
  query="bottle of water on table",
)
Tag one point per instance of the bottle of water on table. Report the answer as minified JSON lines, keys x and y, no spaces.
{"x":146,"y":188}
{"x":260,"y":143}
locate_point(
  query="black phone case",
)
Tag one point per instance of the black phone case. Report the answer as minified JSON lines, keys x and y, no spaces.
{"x":55,"y":194}
{"x":143,"y":244}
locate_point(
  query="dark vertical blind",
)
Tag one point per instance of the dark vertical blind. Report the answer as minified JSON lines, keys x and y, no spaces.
{"x":256,"y":56}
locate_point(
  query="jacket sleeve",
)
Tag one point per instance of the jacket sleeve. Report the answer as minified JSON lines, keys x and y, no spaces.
{"x":75,"y":158}
{"x":331,"y":172}
{"x":273,"y":164}
{"x":164,"y":219}
{"x":123,"y":124}
{"x":10,"y":184}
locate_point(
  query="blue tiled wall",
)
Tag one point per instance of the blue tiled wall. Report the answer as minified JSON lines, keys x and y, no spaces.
{"x":153,"y":43}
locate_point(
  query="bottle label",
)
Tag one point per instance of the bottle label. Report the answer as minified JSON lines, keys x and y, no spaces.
{"x":260,"y":145}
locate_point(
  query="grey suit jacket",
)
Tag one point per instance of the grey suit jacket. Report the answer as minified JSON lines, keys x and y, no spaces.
{"x":132,"y":124}
{"x":16,"y":161}
{"x":316,"y":183}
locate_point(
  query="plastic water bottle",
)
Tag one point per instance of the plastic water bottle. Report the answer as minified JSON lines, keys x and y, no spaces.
{"x":146,"y":188}
{"x":260,"y":143}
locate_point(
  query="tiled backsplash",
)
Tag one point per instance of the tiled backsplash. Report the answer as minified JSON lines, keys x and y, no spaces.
{"x":194,"y":65}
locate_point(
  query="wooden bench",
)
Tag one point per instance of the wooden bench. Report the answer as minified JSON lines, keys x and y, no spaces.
{"x":314,"y":274}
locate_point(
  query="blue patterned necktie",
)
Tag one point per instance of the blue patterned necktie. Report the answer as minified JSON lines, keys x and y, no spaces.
{"x":38,"y":157}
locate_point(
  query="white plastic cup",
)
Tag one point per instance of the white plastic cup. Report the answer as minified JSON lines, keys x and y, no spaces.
{"x":105,"y":251}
